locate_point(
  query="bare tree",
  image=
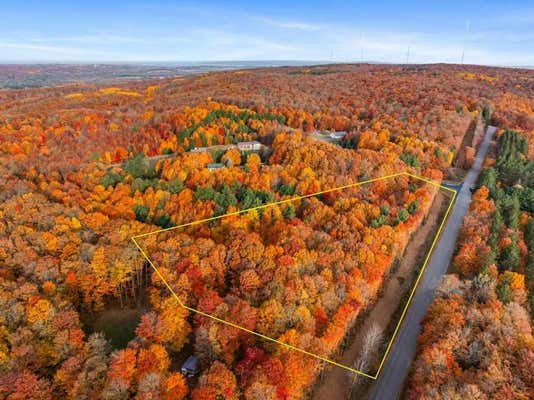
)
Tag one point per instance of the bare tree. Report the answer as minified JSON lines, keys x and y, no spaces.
{"x":371,"y":342}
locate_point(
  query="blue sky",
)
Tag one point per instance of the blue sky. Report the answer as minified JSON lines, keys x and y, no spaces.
{"x":490,"y":32}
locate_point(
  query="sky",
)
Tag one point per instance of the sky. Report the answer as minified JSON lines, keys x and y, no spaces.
{"x":485,"y":32}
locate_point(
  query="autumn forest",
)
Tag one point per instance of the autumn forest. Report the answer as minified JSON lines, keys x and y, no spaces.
{"x":86,"y":166}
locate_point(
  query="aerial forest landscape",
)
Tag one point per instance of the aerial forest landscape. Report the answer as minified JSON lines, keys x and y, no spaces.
{"x":264,"y":230}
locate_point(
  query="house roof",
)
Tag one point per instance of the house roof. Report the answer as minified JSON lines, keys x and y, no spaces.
{"x":215,"y":165}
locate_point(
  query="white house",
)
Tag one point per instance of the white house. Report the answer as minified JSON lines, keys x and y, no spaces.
{"x":249,"y":146}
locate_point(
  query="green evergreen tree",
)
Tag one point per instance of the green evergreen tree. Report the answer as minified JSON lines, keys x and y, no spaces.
{"x":176,"y":186}
{"x":111,"y":179}
{"x":403,"y":215}
{"x":286,"y":190}
{"x":289,"y":211}
{"x":205,"y":193}
{"x":510,"y":258}
{"x":504,"y":292}
{"x":138,"y":167}
{"x":511,"y":211}
{"x":413,"y":207}
{"x":488,"y":178}
{"x":410,"y":159}
{"x":497,"y":224}
{"x":164,"y":221}
{"x":141,"y":212}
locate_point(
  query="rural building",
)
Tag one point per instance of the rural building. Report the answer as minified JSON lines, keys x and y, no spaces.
{"x":338,"y":135}
{"x":213,"y":166}
{"x":212,"y":148}
{"x":249,"y":146}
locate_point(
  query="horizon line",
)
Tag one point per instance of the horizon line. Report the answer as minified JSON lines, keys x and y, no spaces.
{"x":310,"y":62}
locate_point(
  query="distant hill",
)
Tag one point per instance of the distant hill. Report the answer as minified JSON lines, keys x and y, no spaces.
{"x":20,"y":76}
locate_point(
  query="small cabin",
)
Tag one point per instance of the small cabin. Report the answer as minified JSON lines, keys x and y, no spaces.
{"x":190,"y":367}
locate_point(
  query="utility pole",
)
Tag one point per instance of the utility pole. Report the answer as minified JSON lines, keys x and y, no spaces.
{"x":408,"y":56}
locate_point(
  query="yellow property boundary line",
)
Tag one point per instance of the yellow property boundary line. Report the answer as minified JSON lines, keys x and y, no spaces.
{"x":356,"y":371}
